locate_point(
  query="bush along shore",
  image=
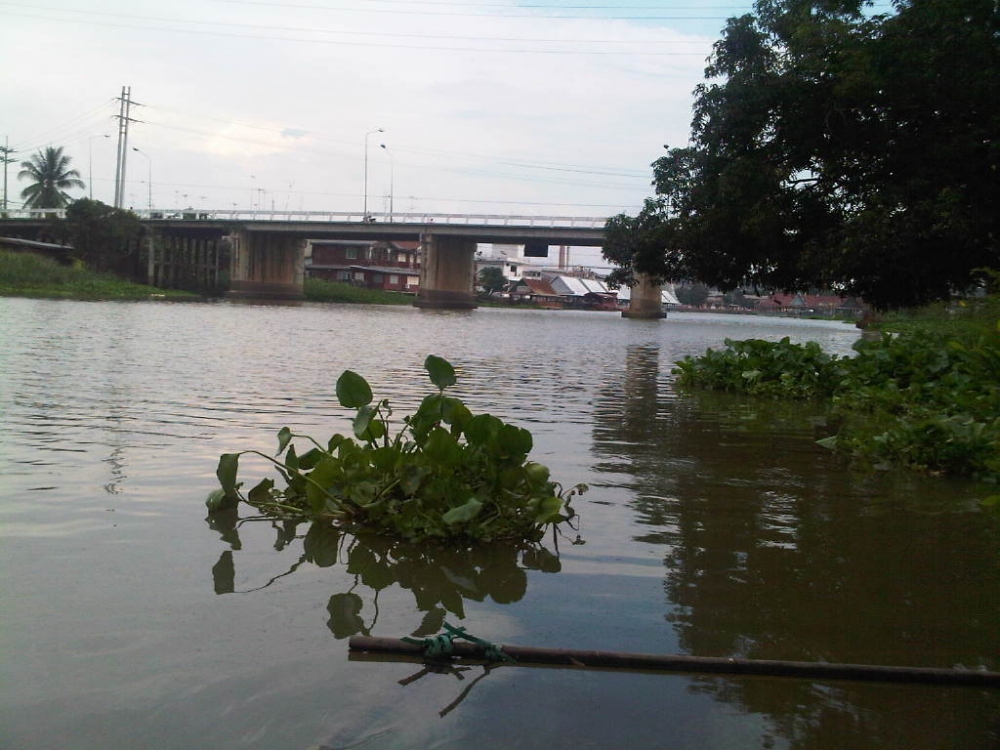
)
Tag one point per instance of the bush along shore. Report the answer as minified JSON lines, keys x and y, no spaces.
{"x":32,"y":275}
{"x":924,"y":393}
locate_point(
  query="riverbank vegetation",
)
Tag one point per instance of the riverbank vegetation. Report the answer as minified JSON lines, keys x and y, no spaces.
{"x":319,"y":290}
{"x":923,"y":393}
{"x":446,"y":475}
{"x":32,"y":275}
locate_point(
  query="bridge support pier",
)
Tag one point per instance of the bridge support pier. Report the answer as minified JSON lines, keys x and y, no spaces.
{"x":447,"y":273}
{"x":176,"y":262}
{"x":266,"y":266}
{"x":646,"y":302}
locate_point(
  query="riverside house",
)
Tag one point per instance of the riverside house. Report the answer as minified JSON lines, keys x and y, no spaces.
{"x":392,"y":266}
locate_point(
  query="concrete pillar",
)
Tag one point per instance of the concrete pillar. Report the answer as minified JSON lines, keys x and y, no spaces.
{"x":646,"y":302}
{"x":266,"y":266}
{"x":447,"y":273}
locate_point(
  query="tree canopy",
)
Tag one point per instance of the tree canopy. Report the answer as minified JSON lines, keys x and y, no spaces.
{"x":834,"y":148}
{"x":105,"y":238}
{"x":491,"y":279}
{"x":51,"y":176}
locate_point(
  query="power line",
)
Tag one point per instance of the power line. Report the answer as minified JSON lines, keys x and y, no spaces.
{"x":344,"y":32}
{"x":576,"y":51}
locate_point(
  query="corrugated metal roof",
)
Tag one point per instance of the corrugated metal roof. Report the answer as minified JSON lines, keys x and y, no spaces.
{"x":542,"y":288}
{"x":666,"y":297}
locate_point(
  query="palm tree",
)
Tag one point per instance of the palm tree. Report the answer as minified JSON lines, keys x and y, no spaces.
{"x":51,"y":174}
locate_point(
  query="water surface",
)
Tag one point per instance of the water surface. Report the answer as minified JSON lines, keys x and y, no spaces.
{"x":713,"y":527}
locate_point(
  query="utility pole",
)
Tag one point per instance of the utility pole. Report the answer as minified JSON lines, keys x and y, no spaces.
{"x":123,"y":120}
{"x":5,"y":152}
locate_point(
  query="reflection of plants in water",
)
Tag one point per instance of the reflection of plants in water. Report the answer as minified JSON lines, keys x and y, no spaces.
{"x":440,"y":579}
{"x":773,"y":551}
{"x":457,"y":672}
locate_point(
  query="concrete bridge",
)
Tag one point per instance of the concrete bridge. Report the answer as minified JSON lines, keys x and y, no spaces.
{"x":267,"y":248}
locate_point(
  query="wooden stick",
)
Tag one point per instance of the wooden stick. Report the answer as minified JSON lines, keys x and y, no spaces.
{"x":701,"y":664}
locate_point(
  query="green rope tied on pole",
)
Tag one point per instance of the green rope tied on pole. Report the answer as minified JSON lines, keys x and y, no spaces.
{"x":440,"y":646}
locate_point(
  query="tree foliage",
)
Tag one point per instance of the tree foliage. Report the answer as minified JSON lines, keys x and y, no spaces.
{"x":491,"y":279}
{"x":833,"y":148}
{"x":103,"y":237}
{"x":51,"y":176}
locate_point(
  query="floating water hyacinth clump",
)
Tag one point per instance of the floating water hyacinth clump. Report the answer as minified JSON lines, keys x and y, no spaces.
{"x":446,"y":475}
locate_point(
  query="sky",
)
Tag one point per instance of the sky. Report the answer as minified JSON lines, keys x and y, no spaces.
{"x":531,"y":108}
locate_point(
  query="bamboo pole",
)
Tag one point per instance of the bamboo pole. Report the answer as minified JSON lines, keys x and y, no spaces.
{"x":698,"y":664}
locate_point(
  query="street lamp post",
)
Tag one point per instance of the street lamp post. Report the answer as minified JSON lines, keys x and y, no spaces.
{"x":90,"y":160}
{"x":149,"y":180}
{"x":5,"y":152}
{"x":377,"y":130}
{"x":392,"y":172}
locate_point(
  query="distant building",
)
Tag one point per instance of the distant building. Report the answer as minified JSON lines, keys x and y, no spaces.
{"x":811,"y":304}
{"x":392,"y":266}
{"x":508,"y":258}
{"x":554,"y":288}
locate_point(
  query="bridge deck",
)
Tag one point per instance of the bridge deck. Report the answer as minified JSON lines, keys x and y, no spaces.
{"x":552,"y":230}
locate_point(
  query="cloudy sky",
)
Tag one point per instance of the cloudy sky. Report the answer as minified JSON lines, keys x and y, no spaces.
{"x":538,"y":107}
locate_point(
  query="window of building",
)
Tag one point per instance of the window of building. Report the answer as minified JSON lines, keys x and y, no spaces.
{"x":359,"y":275}
{"x":351,"y":253}
{"x":343,"y":275}
{"x":393,"y":279}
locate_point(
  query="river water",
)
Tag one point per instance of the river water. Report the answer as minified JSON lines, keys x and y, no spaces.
{"x":712,"y":527}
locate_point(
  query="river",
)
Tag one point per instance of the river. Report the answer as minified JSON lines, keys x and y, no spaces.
{"x":712,"y":527}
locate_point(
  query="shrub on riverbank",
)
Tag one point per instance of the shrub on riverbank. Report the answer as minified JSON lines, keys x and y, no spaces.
{"x":925,"y":394}
{"x":319,"y":290}
{"x":32,"y":275}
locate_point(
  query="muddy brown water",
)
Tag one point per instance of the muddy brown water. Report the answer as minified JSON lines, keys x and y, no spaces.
{"x":713,"y":527}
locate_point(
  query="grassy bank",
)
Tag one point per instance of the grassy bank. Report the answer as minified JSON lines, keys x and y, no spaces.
{"x":923,"y":393}
{"x":318,"y":290}
{"x":30,"y":275}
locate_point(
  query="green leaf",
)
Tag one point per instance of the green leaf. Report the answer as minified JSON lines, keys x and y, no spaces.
{"x":218,"y":500}
{"x":229,"y":464}
{"x":515,"y":439}
{"x":353,"y":390}
{"x":441,"y":372}
{"x":284,"y":436}
{"x":482,"y":428}
{"x":828,"y":442}
{"x":366,"y":424}
{"x":465,"y":512}
{"x":292,"y":460}
{"x":323,"y":475}
{"x":310,"y":458}
{"x":548,"y":510}
{"x":442,"y":448}
{"x":261,"y":492}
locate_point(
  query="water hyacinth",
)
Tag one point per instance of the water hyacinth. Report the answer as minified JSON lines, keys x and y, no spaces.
{"x":446,"y":475}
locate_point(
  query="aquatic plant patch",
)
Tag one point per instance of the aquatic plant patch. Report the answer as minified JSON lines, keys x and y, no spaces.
{"x":925,"y":399}
{"x":446,"y":474}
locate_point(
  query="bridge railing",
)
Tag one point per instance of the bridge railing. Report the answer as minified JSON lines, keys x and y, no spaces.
{"x":585,"y":222}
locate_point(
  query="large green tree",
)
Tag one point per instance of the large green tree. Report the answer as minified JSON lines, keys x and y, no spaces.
{"x":491,"y":279}
{"x":835,"y":148}
{"x":51,"y":176}
{"x":105,"y":238}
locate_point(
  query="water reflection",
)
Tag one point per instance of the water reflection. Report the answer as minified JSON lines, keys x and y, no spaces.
{"x":440,"y":580}
{"x":774,"y":549}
